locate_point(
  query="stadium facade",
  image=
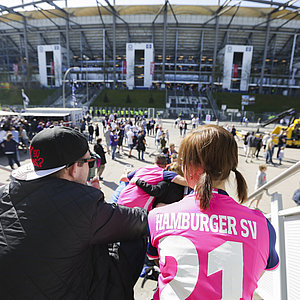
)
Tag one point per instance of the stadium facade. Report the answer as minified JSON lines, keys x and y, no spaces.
{"x":189,"y":44}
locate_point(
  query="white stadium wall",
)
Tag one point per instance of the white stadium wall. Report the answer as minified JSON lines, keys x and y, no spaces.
{"x":51,"y":73}
{"x":130,"y":63}
{"x":244,"y":68}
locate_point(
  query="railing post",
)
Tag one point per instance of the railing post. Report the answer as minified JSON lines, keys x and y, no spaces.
{"x":280,"y":283}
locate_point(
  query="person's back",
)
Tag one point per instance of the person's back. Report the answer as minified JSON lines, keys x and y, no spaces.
{"x":132,"y":196}
{"x":269,"y":144}
{"x":265,"y":138}
{"x":100,"y":151}
{"x":204,"y":242}
{"x":56,"y":229}
{"x":50,"y":254}
{"x":209,"y":246}
{"x":252,"y":141}
{"x":164,"y":192}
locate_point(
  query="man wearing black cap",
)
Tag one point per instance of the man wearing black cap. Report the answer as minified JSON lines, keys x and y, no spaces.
{"x":55,"y":229}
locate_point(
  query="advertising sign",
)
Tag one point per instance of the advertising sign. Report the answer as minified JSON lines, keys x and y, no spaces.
{"x":247,"y":100}
{"x":235,"y":70}
{"x":152,"y":68}
{"x":124,"y":67}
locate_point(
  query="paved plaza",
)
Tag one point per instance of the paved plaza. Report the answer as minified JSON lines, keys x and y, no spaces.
{"x":115,"y":168}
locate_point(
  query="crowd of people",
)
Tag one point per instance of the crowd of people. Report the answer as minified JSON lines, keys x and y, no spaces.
{"x":253,"y":143}
{"x":176,"y":209}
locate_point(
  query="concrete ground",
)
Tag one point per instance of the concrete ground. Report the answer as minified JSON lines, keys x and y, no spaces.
{"x":114,"y":169}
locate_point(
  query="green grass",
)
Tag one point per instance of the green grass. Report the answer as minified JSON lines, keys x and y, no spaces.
{"x":137,"y":98}
{"x":263,"y":103}
{"x":13,"y":96}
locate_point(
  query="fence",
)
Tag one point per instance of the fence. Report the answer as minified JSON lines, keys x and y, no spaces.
{"x":283,"y":283}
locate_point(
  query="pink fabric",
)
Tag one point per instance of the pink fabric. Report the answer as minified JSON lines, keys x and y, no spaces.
{"x":133,"y":196}
{"x":98,"y":162}
{"x":193,"y":253}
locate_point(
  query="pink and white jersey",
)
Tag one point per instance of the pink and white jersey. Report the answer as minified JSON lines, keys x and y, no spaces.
{"x":133,"y":196}
{"x":218,"y":253}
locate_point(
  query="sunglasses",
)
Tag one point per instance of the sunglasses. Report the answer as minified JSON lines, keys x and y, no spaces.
{"x":90,"y":161}
{"x":92,"y":158}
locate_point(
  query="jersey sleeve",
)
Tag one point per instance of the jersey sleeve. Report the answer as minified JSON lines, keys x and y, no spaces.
{"x":169,"y":175}
{"x":273,"y":259}
{"x":131,"y":175}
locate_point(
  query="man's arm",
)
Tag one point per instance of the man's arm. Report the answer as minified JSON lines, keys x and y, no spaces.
{"x":155,"y":190}
{"x":180,"y":180}
{"x":171,"y":176}
{"x":116,"y":223}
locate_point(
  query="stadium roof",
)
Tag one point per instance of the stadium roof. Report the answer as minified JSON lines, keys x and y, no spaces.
{"x":191,"y":30}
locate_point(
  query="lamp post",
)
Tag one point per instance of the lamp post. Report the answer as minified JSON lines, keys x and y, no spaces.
{"x":64,"y":82}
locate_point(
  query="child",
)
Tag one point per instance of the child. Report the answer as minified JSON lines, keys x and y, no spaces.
{"x":281,"y":154}
{"x":207,"y":231}
{"x":261,"y":179}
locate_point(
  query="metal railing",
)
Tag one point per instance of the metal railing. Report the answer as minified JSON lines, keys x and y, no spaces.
{"x":275,"y":286}
{"x":283,"y":176}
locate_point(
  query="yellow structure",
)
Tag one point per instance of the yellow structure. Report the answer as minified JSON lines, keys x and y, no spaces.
{"x":293,"y":133}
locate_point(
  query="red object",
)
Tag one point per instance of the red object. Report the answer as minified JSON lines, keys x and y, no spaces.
{"x":152,"y":68}
{"x":94,"y":183}
{"x":52,"y":67}
{"x":124,"y":67}
{"x":235,"y":70}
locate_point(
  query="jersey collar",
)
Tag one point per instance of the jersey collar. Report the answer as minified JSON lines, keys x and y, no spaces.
{"x":219,"y":191}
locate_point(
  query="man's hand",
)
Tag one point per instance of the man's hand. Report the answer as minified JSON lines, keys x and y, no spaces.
{"x":124,"y":178}
{"x":95,"y":183}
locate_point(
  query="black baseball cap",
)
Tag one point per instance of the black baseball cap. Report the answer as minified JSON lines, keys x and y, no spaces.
{"x":51,"y":150}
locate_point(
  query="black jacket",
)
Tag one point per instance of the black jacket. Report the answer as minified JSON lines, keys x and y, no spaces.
{"x":164,"y":192}
{"x":141,"y":143}
{"x":54,"y":241}
{"x":100,"y":151}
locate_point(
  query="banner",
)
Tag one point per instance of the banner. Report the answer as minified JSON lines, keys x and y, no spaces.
{"x":52,"y":67}
{"x":124,"y":67}
{"x":152,"y":68}
{"x":235,"y":70}
{"x":16,"y":69}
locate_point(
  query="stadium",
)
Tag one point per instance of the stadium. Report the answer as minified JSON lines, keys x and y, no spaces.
{"x":236,"y":46}
{"x":234,"y":63}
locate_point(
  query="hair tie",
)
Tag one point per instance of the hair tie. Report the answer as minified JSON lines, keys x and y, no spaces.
{"x":234,"y":170}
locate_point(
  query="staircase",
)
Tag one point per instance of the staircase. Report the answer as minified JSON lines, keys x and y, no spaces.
{"x":213,"y":103}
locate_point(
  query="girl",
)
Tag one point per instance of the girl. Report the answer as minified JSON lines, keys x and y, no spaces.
{"x":261,"y":179}
{"x":208,"y":232}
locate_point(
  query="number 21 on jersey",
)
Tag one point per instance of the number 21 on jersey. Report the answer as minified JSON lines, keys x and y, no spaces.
{"x":227,"y":258}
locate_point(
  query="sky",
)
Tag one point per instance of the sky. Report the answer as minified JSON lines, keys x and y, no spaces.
{"x":85,"y":3}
